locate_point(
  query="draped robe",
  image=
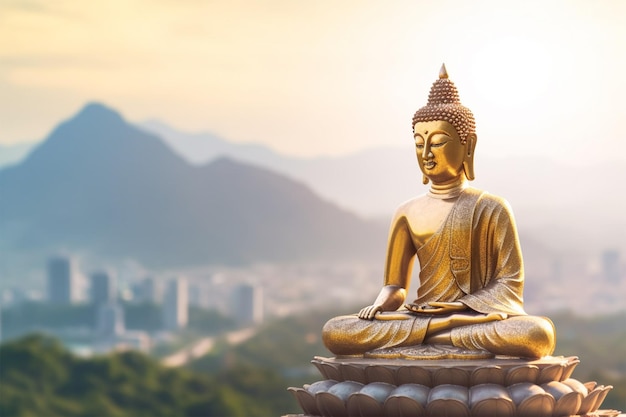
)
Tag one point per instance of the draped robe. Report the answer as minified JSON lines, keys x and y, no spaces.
{"x":473,"y":258}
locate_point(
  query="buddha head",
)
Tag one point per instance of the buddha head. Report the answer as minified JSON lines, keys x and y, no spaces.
{"x":444,"y":132}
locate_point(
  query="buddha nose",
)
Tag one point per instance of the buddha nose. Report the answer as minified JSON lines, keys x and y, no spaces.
{"x":426,"y":153}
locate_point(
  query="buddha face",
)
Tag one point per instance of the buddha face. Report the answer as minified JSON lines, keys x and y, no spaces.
{"x":439,"y":150}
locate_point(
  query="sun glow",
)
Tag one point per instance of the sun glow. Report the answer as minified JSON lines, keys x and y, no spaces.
{"x":512,"y":72}
{"x":311,"y":78}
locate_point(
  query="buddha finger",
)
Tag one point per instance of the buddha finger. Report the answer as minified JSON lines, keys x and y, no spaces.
{"x":392,"y":316}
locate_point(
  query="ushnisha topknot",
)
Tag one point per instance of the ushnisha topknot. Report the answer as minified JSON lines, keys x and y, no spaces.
{"x":444,"y":104}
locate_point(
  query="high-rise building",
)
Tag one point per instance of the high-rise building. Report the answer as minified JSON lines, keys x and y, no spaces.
{"x":103,"y":289}
{"x":176,"y":304}
{"x":62,"y":280}
{"x":247,"y":304}
{"x":110,"y":321}
{"x":149,"y":290}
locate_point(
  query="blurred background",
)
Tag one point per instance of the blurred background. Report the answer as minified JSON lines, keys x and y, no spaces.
{"x":189,"y":190}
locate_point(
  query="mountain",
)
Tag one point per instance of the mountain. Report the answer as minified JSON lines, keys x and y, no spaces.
{"x":13,"y":154}
{"x":200,"y":148}
{"x":560,"y":204}
{"x":365,"y":182}
{"x":101,"y":184}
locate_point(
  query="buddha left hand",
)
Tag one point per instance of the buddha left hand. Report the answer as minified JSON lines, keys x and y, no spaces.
{"x":436,"y":307}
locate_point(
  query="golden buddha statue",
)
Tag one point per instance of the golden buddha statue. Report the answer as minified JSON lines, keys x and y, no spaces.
{"x":471,"y":271}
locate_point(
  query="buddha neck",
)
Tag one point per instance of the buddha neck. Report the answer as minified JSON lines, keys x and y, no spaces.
{"x":450,"y":190}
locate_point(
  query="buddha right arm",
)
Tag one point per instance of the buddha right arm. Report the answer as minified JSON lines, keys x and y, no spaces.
{"x":390,"y":298}
{"x":400,"y":252}
{"x":398,"y":266}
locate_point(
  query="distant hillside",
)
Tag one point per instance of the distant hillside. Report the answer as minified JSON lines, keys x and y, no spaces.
{"x":13,"y":154}
{"x":39,"y":377}
{"x":371,"y":182}
{"x":548,"y":198}
{"x":98,"y":183}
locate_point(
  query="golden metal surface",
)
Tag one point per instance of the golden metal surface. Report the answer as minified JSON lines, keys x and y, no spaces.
{"x":466,"y":241}
{"x":443,"y":73}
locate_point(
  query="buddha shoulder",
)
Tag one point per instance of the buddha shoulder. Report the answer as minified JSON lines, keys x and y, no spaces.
{"x":494,"y":205}
{"x":424,"y":215}
{"x":425,"y":210}
{"x":411,"y":207}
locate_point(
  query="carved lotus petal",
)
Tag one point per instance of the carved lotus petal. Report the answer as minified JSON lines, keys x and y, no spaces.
{"x":550,"y":373}
{"x":414,"y":375}
{"x":493,"y":407}
{"x":378,"y":391}
{"x":556,"y":389}
{"x":522,"y":373}
{"x":351,"y":372}
{"x":577,"y":386}
{"x":403,"y":406}
{"x":591,"y":385}
{"x":368,"y":402}
{"x":379,"y":374}
{"x":487,"y":375}
{"x":569,"y":367}
{"x":416,"y":392}
{"x":568,"y":401}
{"x":455,"y":376}
{"x":568,"y":404}
{"x":333,"y":402}
{"x":306,"y":400}
{"x":328,"y":370}
{"x":343,"y":390}
{"x":361,"y":405}
{"x":449,"y":391}
{"x":537,"y":406}
{"x":531,"y":400}
{"x":330,"y":406}
{"x":490,"y":400}
{"x":588,"y":404}
{"x":320,"y":386}
{"x":448,"y":400}
{"x":603,"y":394}
{"x":598,"y":395}
{"x":447,"y":408}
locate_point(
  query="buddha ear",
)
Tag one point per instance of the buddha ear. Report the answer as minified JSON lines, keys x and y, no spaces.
{"x":468,"y":159}
{"x":424,"y":179}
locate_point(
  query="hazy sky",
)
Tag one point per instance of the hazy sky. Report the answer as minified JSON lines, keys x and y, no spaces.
{"x":323,"y":77}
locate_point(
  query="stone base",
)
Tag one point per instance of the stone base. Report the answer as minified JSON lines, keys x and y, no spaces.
{"x":501,"y":386}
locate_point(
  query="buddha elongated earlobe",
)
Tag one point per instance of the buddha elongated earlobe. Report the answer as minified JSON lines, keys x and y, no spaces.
{"x":424,"y":179}
{"x":468,"y":169}
{"x":468,"y":159}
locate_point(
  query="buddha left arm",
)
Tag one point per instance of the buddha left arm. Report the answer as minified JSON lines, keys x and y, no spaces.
{"x":497,"y":275}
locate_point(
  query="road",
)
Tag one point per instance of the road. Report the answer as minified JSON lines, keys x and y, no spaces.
{"x":204,"y":346}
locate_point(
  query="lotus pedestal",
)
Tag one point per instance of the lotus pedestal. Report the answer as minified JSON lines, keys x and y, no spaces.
{"x":501,"y":386}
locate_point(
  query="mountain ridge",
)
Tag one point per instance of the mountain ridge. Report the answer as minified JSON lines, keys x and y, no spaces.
{"x":545,"y":195}
{"x":100,"y":183}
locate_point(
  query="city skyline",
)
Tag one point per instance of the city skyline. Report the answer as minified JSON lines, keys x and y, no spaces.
{"x":323,"y":78}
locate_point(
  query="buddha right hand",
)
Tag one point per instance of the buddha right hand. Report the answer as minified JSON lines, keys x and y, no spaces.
{"x":369,"y":312}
